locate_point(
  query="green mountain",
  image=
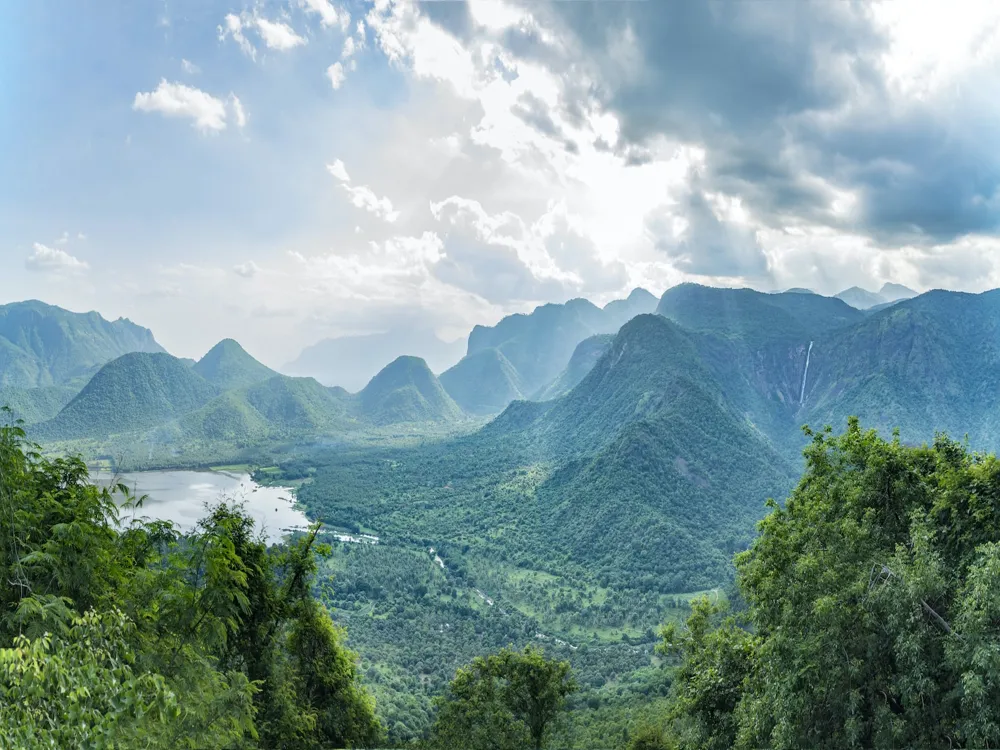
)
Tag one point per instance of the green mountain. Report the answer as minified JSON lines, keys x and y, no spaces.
{"x":227,"y":365}
{"x":33,"y":405}
{"x":585,"y":356}
{"x":406,"y":391}
{"x":483,"y":383}
{"x":620,"y":311}
{"x":44,"y":345}
{"x":133,"y":392}
{"x":277,"y":408}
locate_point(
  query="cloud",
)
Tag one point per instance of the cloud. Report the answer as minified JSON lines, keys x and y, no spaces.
{"x":336,"y":75}
{"x":330,"y":14}
{"x":338,"y":170}
{"x":52,"y":260}
{"x":278,"y":35}
{"x":363,"y":197}
{"x":239,"y":113}
{"x":189,"y":67}
{"x":247,"y":270}
{"x":177,"y":100}
{"x":232,"y":26}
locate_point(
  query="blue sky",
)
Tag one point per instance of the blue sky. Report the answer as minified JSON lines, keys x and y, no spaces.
{"x":279,"y":172}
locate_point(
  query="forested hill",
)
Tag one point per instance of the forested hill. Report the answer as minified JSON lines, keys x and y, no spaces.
{"x":42,"y":345}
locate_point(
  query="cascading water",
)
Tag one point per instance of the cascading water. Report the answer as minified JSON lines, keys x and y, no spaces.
{"x":805,"y":374}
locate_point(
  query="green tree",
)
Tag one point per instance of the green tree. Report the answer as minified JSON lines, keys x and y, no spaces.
{"x":505,"y":700}
{"x":873,"y":598}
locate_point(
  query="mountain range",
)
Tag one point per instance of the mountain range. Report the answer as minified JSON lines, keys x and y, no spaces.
{"x":42,"y":345}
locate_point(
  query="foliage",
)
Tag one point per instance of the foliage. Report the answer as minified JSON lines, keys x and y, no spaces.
{"x":126,"y":635}
{"x":483,"y":382}
{"x":871,"y":601}
{"x":505,"y":700}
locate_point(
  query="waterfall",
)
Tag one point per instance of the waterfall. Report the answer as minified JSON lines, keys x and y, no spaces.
{"x":805,"y":374}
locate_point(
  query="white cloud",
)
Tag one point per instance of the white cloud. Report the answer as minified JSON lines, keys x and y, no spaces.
{"x":178,"y":100}
{"x":239,"y":113}
{"x":247,"y":270}
{"x":234,"y":27}
{"x":363,"y":197}
{"x":329,"y":14}
{"x":338,"y":170}
{"x":336,"y":75}
{"x":53,"y":260}
{"x":189,"y":67}
{"x":278,"y":35}
{"x":63,"y":238}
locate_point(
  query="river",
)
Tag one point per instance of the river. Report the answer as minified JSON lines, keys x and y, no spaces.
{"x":181,"y":497}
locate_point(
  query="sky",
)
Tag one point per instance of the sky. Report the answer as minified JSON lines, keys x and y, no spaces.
{"x":288,"y":170}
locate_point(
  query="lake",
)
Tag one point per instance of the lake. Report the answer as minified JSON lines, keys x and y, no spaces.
{"x":181,"y":496}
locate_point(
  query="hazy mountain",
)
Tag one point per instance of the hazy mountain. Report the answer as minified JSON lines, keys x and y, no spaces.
{"x":43,"y":345}
{"x":406,"y":391}
{"x":863,"y":299}
{"x":483,"y":383}
{"x":539,"y":345}
{"x":585,"y":356}
{"x":227,"y":365}
{"x":133,"y":392}
{"x":755,"y":317}
{"x":351,"y":361}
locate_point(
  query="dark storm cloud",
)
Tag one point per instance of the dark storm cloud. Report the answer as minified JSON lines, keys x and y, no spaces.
{"x":790,"y":104}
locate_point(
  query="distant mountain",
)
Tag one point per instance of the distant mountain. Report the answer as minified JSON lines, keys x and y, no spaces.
{"x":351,"y":361}
{"x":585,"y":356}
{"x":539,"y":345}
{"x":483,"y":383}
{"x":44,"y":345}
{"x":227,"y":365}
{"x":797,"y":290}
{"x":755,"y":317}
{"x":863,"y":299}
{"x":406,"y":391}
{"x":133,"y":392}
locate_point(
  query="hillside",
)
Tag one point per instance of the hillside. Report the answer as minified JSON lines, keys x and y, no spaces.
{"x":133,"y":392}
{"x":278,"y":408}
{"x":227,"y":365}
{"x":33,"y":405}
{"x":406,"y":391}
{"x":482,"y":383}
{"x":44,"y":345}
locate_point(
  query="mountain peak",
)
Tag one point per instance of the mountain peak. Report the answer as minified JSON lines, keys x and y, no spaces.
{"x":227,"y":365}
{"x":406,"y":390}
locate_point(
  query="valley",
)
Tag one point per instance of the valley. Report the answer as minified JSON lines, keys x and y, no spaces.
{"x":576,"y":480}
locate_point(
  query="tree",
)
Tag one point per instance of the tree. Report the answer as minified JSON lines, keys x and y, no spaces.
{"x":505,"y":700}
{"x":873,"y":598}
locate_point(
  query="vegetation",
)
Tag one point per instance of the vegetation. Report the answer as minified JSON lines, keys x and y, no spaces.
{"x":585,"y":356}
{"x":507,"y":701}
{"x":125,"y":635}
{"x":870,"y":609}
